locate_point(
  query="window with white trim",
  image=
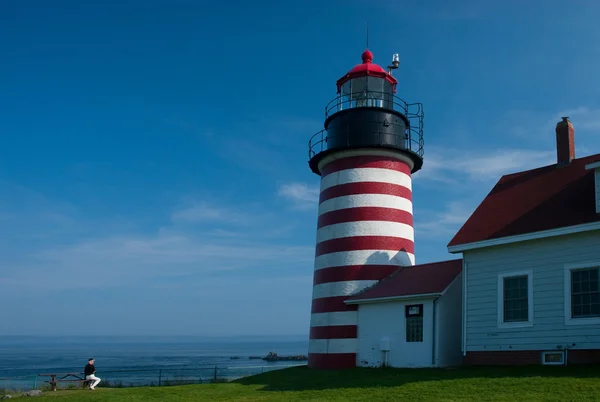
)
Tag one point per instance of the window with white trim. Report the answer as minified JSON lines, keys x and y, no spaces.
{"x":582,"y":304}
{"x":516,"y":302}
{"x":554,"y":357}
{"x":515,"y":299}
{"x":585,"y":292}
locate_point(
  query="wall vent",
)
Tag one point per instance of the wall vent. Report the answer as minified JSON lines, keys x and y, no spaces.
{"x":553,"y":358}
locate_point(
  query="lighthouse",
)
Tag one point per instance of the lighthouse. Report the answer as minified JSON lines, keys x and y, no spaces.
{"x":371,"y":145}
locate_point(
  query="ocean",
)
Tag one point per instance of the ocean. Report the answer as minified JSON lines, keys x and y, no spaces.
{"x":128,"y":361}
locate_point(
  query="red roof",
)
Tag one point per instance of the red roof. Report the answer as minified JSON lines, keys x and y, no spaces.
{"x":414,"y":280}
{"x":546,"y":198}
{"x":366,"y":68}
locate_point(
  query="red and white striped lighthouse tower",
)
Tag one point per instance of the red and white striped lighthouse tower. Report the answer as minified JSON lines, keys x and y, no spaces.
{"x":371,"y":144}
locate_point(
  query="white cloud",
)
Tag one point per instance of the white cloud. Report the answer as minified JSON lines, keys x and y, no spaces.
{"x":539,"y":127}
{"x":454,"y":165}
{"x":470,"y":175}
{"x":219,"y":212}
{"x":582,"y":117}
{"x":204,"y":212}
{"x":122,"y":259}
{"x":119,"y":260}
{"x":301,"y":195}
{"x":503,"y":161}
{"x":444,"y":223}
{"x":98,"y":253}
{"x":535,"y":130}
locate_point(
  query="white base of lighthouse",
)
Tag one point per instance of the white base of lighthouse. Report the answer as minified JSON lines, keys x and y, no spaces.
{"x":364,"y":232}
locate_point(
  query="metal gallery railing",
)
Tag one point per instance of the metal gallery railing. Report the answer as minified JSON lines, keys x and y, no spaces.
{"x":410,"y":136}
{"x":412,"y":140}
{"x":383,"y":100}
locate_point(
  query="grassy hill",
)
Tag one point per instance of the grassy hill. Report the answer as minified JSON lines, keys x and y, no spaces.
{"x":301,"y":384}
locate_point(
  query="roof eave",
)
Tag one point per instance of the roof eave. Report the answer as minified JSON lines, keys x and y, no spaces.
{"x":594,"y":165}
{"x":586,"y":227}
{"x":394,"y":298}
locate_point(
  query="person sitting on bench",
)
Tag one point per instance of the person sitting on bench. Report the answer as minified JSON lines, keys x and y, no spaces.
{"x":90,"y":372}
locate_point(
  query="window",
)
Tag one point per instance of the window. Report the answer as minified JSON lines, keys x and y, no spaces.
{"x":515,"y":299}
{"x":414,"y":323}
{"x":585,"y":293}
{"x":582,"y":293}
{"x":553,"y":358}
{"x":516,"y":304}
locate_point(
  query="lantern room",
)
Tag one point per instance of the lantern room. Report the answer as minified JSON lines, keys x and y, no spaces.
{"x":366,"y":113}
{"x":367,"y":84}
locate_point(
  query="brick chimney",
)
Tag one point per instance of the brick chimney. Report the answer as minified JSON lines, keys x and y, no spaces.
{"x":565,"y":142}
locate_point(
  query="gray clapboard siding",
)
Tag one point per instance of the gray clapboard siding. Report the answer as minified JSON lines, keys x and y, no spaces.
{"x":547,"y":259}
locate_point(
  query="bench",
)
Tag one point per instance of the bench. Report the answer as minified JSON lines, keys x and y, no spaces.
{"x":66,"y":377}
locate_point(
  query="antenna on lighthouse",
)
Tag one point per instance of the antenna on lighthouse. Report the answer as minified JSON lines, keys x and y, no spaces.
{"x":395,"y":63}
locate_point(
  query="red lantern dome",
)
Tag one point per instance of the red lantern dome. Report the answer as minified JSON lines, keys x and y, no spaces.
{"x":366,"y":69}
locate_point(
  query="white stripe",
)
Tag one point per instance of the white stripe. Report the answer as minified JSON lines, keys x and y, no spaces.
{"x":358,"y":175}
{"x":365,"y":228}
{"x":366,"y":200}
{"x":334,"y":318}
{"x":335,"y":289}
{"x":362,"y":257}
{"x":332,"y":346}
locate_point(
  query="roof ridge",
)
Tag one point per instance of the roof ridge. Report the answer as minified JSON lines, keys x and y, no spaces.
{"x":526,"y":170}
{"x":550,"y":165}
{"x":435,"y":262}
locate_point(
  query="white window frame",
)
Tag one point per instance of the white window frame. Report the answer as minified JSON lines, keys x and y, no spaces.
{"x":519,"y":324}
{"x":560,"y":363}
{"x":596,"y":167}
{"x":579,"y":320}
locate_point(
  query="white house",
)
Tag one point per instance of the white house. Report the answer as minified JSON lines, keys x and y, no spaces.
{"x":411,"y":318}
{"x":531,"y":265}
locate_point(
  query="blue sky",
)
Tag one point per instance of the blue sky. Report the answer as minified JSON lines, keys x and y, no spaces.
{"x":154,"y":161}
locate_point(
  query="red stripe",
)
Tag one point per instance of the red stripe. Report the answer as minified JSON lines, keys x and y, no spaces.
{"x":365,"y":243}
{"x":332,"y":304}
{"x":353,"y":273}
{"x":331,"y":361}
{"x":365,"y":214}
{"x":334,"y":332}
{"x":366,"y":161}
{"x":365,"y":187}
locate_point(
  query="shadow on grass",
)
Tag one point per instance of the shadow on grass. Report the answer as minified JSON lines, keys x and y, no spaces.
{"x":302,"y":378}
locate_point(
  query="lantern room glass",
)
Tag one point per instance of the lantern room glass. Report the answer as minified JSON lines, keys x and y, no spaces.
{"x":367,"y":92}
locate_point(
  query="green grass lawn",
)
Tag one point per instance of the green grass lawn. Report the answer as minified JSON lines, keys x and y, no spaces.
{"x":301,"y":384}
